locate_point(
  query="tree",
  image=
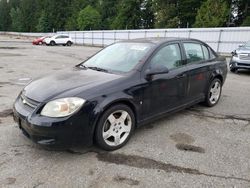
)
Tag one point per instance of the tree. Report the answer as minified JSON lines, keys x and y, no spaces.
{"x":128,"y":16}
{"x":5,"y":21}
{"x":147,"y":14}
{"x":43,"y":23}
{"x":187,"y":11}
{"x":108,"y":11}
{"x":166,"y":14}
{"x":212,"y":13}
{"x":16,"y":18}
{"x":89,"y":19}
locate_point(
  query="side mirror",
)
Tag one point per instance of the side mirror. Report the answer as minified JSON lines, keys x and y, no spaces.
{"x":241,"y":45}
{"x":154,"y":70}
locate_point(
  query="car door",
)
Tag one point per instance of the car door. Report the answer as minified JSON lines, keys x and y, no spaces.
{"x":197,"y":62}
{"x":59,"y":39}
{"x":164,"y":92}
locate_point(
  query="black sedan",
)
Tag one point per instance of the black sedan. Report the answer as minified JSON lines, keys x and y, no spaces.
{"x":120,"y":88}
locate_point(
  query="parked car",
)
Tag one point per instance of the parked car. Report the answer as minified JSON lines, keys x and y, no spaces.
{"x":240,"y":58}
{"x":122,"y":87}
{"x":59,"y":40}
{"x":39,"y":41}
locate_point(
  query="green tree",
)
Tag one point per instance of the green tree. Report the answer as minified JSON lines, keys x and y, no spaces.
{"x":128,"y":16}
{"x":5,"y":20}
{"x":212,"y":13}
{"x":147,"y":14}
{"x":108,"y":11}
{"x":187,"y":11}
{"x":43,"y":23}
{"x":16,"y":18}
{"x":89,"y":19}
{"x":166,"y":14}
{"x":246,"y":21}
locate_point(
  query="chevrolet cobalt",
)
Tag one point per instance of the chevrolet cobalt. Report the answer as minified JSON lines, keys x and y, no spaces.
{"x":122,"y":87}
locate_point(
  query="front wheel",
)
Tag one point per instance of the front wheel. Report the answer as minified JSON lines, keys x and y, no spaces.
{"x":115,"y":127}
{"x":214,"y":93}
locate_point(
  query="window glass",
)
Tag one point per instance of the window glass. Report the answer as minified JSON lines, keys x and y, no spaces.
{"x":206,"y":52}
{"x":58,"y":37}
{"x":169,"y":56}
{"x":193,"y":52}
{"x":120,"y":57}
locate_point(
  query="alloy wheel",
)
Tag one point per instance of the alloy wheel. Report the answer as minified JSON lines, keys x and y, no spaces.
{"x":117,"y":128}
{"x":215,"y":92}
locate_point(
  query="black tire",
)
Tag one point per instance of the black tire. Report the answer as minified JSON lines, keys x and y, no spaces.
{"x":69,"y":43}
{"x":233,"y":69}
{"x":208,"y":99}
{"x":103,"y":123}
{"x":52,"y":43}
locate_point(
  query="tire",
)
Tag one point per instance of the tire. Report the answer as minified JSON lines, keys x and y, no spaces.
{"x":112,"y":131}
{"x":213,"y":93}
{"x":233,"y":69}
{"x":52,"y":43}
{"x":69,"y":43}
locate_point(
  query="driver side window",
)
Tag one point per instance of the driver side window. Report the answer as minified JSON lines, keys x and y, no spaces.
{"x":168,"y":56}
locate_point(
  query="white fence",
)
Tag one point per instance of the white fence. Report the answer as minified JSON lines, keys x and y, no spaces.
{"x":223,"y":40}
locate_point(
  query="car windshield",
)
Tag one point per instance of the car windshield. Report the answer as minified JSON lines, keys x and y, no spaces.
{"x":119,"y":57}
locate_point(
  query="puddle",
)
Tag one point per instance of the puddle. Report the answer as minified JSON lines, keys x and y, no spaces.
{"x":128,"y":181}
{"x":9,"y":55}
{"x":146,"y":163}
{"x":182,"y":138}
{"x":9,"y":48}
{"x":6,"y":113}
{"x":191,"y":148}
{"x":10,"y":181}
{"x":143,"y":163}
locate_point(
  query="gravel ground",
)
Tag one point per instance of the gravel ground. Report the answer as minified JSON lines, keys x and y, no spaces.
{"x":197,"y":147}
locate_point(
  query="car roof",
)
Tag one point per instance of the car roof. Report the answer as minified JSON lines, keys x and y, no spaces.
{"x":160,"y":40}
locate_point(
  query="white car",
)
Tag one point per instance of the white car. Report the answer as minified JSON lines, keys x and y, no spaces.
{"x":59,"y":40}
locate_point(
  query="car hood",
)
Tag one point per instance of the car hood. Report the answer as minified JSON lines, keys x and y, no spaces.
{"x":49,"y":87}
{"x":243,"y":50}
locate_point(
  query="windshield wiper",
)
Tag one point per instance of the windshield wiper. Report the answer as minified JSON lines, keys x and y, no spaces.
{"x":98,"y":69}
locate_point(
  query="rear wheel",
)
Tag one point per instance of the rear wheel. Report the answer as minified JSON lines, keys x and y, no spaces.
{"x":69,"y":43}
{"x":214,"y":93}
{"x":115,"y":127}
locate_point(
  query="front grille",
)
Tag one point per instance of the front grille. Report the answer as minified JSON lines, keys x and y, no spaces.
{"x":28,"y":102}
{"x":245,"y":56}
{"x":243,"y":64}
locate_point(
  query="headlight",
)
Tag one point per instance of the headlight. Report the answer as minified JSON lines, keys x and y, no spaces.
{"x":62,"y":107}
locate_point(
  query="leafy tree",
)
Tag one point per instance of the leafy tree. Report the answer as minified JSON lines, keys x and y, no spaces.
{"x":213,"y":13}
{"x":166,"y":14}
{"x":147,"y":14}
{"x":5,"y":20}
{"x":16,"y":18}
{"x":43,"y":23}
{"x":246,"y":21}
{"x":108,"y":11}
{"x":187,"y":11}
{"x":128,"y":16}
{"x":89,"y":19}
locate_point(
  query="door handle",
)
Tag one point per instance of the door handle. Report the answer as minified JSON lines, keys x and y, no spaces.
{"x":181,"y":76}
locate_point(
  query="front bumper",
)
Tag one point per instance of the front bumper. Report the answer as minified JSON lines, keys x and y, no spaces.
{"x":52,"y":131}
{"x":239,"y":63}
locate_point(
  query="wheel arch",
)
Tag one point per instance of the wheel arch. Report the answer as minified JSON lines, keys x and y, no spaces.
{"x":126,"y":102}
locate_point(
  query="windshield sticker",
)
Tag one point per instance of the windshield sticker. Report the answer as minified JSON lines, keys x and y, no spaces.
{"x":139,"y":48}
